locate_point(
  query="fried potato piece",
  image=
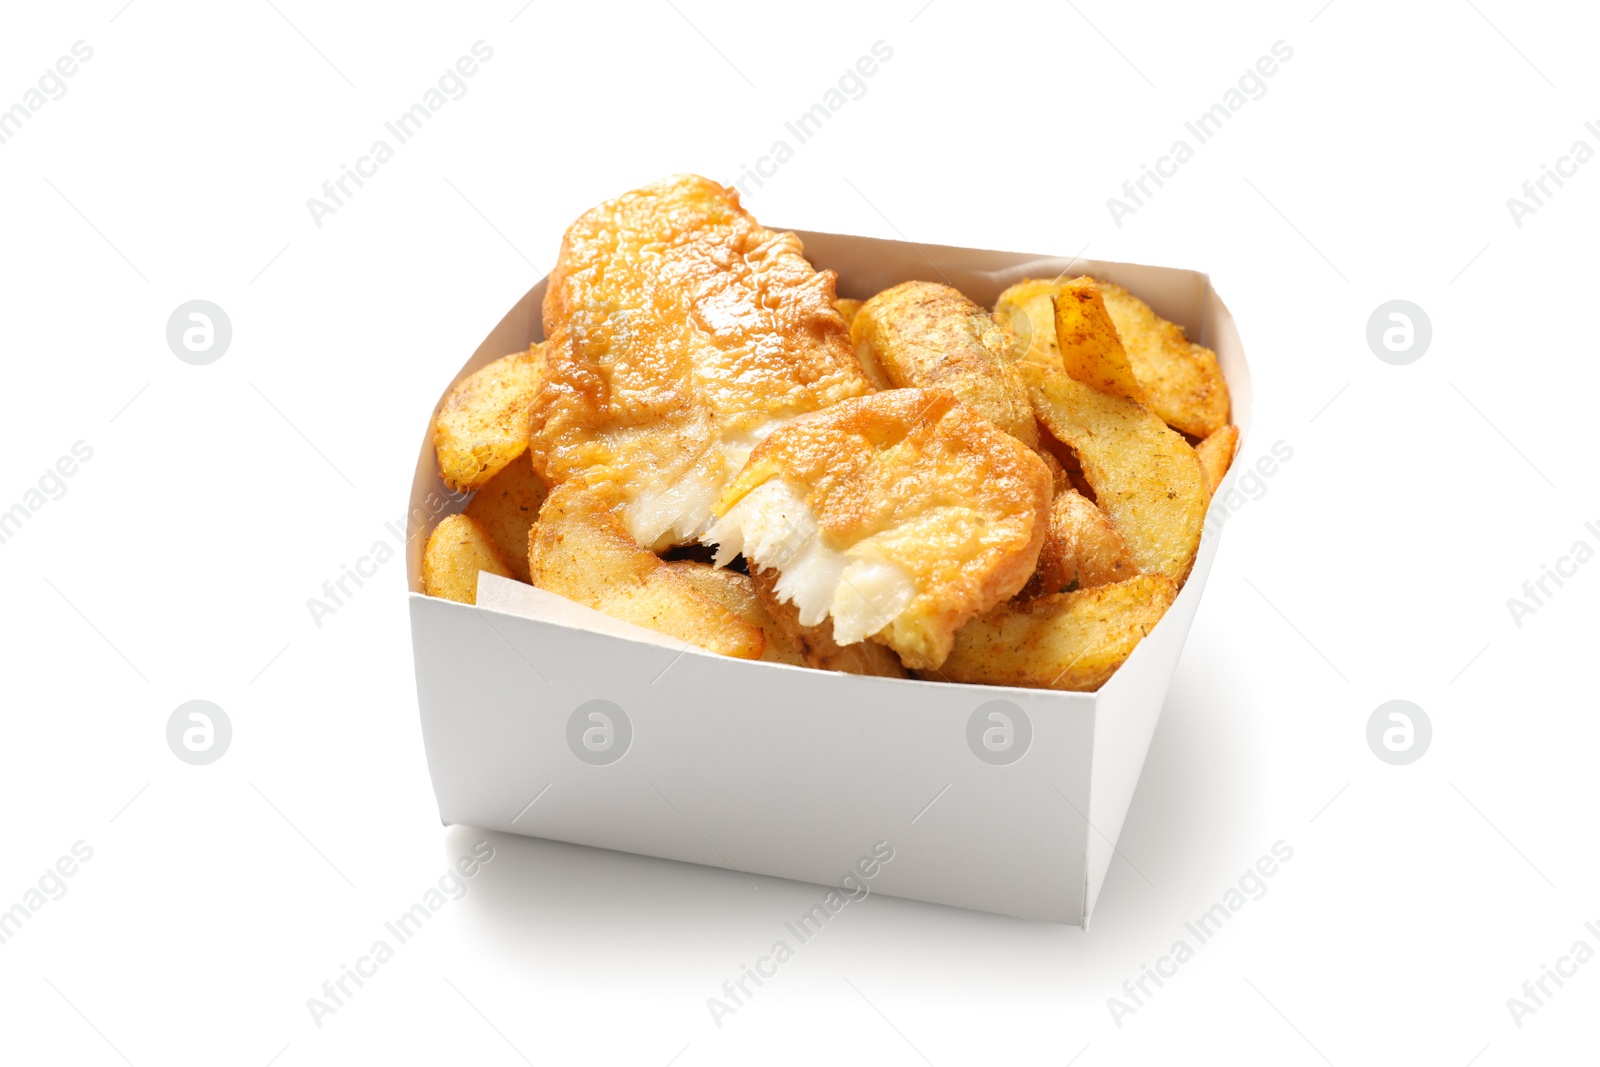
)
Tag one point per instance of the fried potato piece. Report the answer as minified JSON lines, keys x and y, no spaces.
{"x":1081,"y":550}
{"x":737,"y":594}
{"x":484,"y":421}
{"x":506,"y":507}
{"x":924,"y":335}
{"x":900,"y":515}
{"x":1090,"y":350}
{"x":1073,"y":641}
{"x":1216,"y":455}
{"x":1144,"y":475}
{"x":1028,"y":309}
{"x":815,"y":644}
{"x":456,"y":551}
{"x":847,"y":308}
{"x":580,"y":550}
{"x":1182,"y":381}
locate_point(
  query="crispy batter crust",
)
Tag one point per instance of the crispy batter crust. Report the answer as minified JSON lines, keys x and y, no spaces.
{"x":675,"y":325}
{"x":943,"y":494}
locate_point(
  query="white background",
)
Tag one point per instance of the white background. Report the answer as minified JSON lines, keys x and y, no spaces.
{"x":1376,"y":564}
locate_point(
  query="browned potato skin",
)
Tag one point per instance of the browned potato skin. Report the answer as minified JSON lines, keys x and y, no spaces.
{"x":737,"y":594}
{"x":816,"y":645}
{"x":1216,"y":455}
{"x":1145,"y":476}
{"x":456,"y":551}
{"x":1081,"y":550}
{"x":484,"y":421}
{"x":1071,"y":641}
{"x":580,"y":550}
{"x":1182,"y":381}
{"x":1091,"y":351}
{"x":506,"y":507}
{"x":924,"y":335}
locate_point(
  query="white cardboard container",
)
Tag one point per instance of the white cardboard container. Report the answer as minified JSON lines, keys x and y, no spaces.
{"x":770,"y":769}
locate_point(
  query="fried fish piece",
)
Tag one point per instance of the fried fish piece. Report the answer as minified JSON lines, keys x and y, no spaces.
{"x":1081,"y":550}
{"x":456,"y":551}
{"x":1073,"y":641}
{"x":506,"y":507}
{"x":580,"y":550}
{"x":483,"y":423}
{"x":1216,"y":455}
{"x":1182,"y":381}
{"x":929,"y":336}
{"x":679,"y":334}
{"x":901,"y":515}
{"x":816,"y":645}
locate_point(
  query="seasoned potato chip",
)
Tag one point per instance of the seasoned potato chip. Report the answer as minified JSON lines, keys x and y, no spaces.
{"x":1090,"y":349}
{"x":929,"y":336}
{"x":1081,"y":550}
{"x":580,"y":549}
{"x":1216,"y":455}
{"x":816,"y":645}
{"x":1182,"y":381}
{"x":506,"y":507}
{"x":1144,"y":475}
{"x":737,"y":594}
{"x":456,"y":551}
{"x":1072,"y":641}
{"x":484,"y":422}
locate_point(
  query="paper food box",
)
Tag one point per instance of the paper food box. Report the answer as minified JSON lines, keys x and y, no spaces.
{"x":543,"y":717}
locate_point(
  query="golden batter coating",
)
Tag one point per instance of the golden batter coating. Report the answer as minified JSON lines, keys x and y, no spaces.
{"x":929,"y":336}
{"x":900,"y":515}
{"x":679,"y":334}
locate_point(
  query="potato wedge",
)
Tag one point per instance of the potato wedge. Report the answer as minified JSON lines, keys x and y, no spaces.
{"x":736,"y":592}
{"x":1091,"y":352}
{"x":1216,"y":455}
{"x":1081,"y":550}
{"x":1073,"y":641}
{"x":1182,"y":381}
{"x":1144,"y":475}
{"x":506,"y":507}
{"x":456,"y":551}
{"x":847,"y":308}
{"x":580,"y":550}
{"x":924,"y":335}
{"x":484,"y":421}
{"x":816,"y":644}
{"x":1027,"y":310}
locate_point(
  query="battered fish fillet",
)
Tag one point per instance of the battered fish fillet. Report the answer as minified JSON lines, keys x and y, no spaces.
{"x":929,"y":336}
{"x":680,"y":333}
{"x":901,"y":515}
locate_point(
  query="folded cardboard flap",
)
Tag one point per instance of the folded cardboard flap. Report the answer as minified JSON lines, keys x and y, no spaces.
{"x":793,"y":772}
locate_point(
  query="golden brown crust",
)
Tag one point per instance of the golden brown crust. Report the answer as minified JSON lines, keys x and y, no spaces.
{"x":816,"y":645}
{"x":945,"y":495}
{"x":737,"y":594}
{"x":676,"y":325}
{"x":1090,"y":349}
{"x":929,"y":336}
{"x":1073,"y":641}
